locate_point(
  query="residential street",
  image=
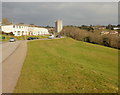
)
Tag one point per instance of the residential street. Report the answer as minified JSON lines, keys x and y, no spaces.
{"x":13,"y":55}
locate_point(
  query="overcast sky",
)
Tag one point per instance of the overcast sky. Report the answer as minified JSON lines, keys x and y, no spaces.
{"x":71,"y":13}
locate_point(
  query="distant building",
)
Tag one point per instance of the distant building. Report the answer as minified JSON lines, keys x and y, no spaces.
{"x":116,"y":28}
{"x":109,"y":32}
{"x":17,"y":29}
{"x":104,"y":32}
{"x":114,"y":32}
{"x":38,"y":31}
{"x":58,"y":26}
{"x":99,"y":27}
{"x":22,"y":29}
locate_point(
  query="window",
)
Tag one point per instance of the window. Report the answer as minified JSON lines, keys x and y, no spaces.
{"x":18,"y":32}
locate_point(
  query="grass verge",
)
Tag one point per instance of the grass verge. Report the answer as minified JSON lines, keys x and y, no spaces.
{"x":68,"y":66}
{"x":7,"y":37}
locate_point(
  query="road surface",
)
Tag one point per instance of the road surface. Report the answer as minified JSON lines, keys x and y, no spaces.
{"x":13,"y":55}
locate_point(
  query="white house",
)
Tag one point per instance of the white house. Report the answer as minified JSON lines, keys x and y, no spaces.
{"x":17,"y":30}
{"x":116,"y":28}
{"x":105,"y":32}
{"x":114,"y":32}
{"x":21,"y":29}
{"x":38,"y":31}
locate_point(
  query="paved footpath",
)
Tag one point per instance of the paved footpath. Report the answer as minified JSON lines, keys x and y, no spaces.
{"x":13,"y":56}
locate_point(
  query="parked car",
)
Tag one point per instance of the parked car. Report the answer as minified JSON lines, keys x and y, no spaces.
{"x":30,"y":38}
{"x":58,"y":36}
{"x":12,"y":40}
{"x":35,"y":38}
{"x":51,"y":37}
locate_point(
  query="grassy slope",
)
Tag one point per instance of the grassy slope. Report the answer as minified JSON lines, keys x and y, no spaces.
{"x":66,"y":65}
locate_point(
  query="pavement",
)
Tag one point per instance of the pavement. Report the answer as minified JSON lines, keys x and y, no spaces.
{"x":13,"y":56}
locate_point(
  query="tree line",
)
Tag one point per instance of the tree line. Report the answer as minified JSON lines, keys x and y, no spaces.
{"x":92,"y":36}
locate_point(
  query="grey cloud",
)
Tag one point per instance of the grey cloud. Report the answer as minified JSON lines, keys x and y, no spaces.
{"x":71,"y":13}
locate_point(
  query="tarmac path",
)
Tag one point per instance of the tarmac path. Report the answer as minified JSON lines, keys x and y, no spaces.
{"x":13,"y":56}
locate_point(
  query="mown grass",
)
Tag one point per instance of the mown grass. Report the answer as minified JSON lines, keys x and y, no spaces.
{"x":68,"y":66}
{"x":7,"y":37}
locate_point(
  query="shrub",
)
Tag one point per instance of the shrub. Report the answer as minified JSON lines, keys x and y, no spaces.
{"x":91,"y":37}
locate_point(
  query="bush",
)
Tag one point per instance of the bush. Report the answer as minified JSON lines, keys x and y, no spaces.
{"x":91,"y":37}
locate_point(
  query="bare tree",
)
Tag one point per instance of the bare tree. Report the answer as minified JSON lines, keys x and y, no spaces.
{"x":5,"y":21}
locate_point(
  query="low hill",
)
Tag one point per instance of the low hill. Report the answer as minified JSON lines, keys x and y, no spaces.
{"x":68,"y":66}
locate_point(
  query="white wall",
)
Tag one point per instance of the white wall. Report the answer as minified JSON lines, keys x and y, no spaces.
{"x":38,"y":31}
{"x":7,"y":28}
{"x":19,"y":30}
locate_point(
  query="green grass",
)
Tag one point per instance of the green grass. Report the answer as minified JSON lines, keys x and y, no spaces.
{"x":68,"y":66}
{"x":7,"y":37}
